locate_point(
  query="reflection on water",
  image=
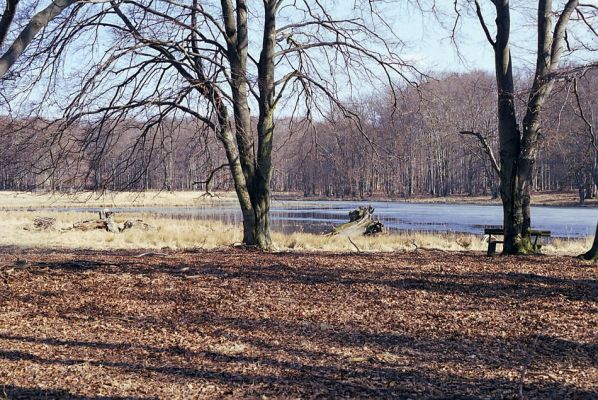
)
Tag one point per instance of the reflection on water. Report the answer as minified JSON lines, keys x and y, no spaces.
{"x":320,"y":216}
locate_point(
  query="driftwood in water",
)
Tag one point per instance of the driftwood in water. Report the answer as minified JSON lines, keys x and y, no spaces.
{"x":361,"y":222}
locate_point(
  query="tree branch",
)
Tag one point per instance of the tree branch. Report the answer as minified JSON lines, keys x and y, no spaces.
{"x":486,"y":147}
{"x":478,"y":11}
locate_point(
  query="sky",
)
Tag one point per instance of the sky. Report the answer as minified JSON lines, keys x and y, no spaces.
{"x":427,"y":41}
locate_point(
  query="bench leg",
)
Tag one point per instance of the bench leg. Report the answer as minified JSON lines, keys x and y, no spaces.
{"x":491,"y":248}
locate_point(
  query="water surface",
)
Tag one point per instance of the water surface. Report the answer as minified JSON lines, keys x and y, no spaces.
{"x":320,"y":216}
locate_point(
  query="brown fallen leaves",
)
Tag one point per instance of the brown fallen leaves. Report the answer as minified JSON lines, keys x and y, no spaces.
{"x":236,"y":324}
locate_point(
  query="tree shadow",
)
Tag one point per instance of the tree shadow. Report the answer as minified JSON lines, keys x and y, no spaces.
{"x":474,"y":284}
{"x":358,"y":380}
{"x":11,"y":392}
{"x":418,"y":367}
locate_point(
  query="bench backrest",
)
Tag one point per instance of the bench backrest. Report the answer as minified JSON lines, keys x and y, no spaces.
{"x":500,"y":231}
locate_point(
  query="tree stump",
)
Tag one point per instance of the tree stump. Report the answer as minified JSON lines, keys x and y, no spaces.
{"x":361,"y":222}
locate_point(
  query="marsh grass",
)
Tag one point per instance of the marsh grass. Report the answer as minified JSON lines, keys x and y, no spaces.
{"x":17,"y":230}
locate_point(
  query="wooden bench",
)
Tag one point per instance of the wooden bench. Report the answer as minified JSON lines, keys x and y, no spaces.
{"x":499,"y":231}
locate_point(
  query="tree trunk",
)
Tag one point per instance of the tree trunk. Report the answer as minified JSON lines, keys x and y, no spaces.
{"x":260,"y":223}
{"x":592,"y":254}
{"x":518,"y":150}
{"x":511,"y":189}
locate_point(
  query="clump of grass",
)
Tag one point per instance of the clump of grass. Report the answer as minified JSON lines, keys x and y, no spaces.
{"x":568,"y":246}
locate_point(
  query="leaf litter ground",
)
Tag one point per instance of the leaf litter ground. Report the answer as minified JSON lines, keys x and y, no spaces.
{"x":239,"y":324}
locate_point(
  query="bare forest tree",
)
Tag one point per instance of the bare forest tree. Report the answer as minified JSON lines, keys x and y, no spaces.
{"x":412,"y":148}
{"x":519,"y":143}
{"x":215,"y":61}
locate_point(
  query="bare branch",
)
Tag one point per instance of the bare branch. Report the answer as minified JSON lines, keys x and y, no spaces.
{"x":487,"y":149}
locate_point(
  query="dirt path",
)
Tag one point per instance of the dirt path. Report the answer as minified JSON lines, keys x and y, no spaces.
{"x":249,"y":325}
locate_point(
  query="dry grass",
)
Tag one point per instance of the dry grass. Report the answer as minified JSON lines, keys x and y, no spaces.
{"x":186,"y":234}
{"x":20,"y":200}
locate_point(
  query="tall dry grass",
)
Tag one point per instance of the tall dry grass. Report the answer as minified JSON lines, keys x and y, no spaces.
{"x":24,"y":200}
{"x":17,"y":230}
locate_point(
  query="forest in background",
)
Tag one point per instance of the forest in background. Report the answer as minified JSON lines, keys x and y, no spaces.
{"x":379,"y":149}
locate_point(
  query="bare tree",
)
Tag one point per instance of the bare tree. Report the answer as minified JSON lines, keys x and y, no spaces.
{"x":519,"y":144}
{"x":215,"y":61}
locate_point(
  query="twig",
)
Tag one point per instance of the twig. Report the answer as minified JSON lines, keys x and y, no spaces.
{"x":426,"y":248}
{"x":353,"y":243}
{"x":528,"y":360}
{"x":151,"y":253}
{"x":210,"y":177}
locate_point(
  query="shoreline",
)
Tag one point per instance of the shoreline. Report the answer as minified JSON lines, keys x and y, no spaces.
{"x":21,"y":201}
{"x":557,"y":199}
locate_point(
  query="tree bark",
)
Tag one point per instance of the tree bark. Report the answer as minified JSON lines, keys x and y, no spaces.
{"x":509,"y":135}
{"x":38,"y":22}
{"x":519,"y":150}
{"x":7,"y":18}
{"x":592,"y":254}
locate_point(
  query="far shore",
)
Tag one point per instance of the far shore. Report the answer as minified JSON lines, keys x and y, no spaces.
{"x":546,"y":199}
{"x":13,"y":200}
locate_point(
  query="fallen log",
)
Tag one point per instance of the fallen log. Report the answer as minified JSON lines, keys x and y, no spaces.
{"x":137,"y":223}
{"x":44,"y":222}
{"x":361,"y":222}
{"x":90,"y":225}
{"x":106,"y":222}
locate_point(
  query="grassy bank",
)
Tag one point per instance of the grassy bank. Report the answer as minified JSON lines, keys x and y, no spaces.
{"x":23,"y":200}
{"x":185,"y":234}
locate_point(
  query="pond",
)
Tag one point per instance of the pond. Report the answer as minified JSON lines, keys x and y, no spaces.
{"x":320,"y":216}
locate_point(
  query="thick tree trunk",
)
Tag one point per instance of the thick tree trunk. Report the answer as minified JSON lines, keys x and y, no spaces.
{"x":592,"y":254}
{"x":511,"y":190}
{"x":260,"y":184}
{"x":518,"y":150}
